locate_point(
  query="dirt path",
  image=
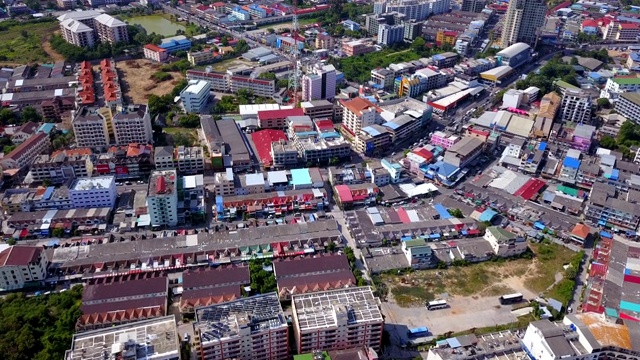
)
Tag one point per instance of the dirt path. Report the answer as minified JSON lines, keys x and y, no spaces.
{"x":54,"y":55}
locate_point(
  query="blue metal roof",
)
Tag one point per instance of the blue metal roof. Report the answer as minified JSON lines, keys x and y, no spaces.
{"x":571,"y":163}
{"x":542,"y":146}
{"x":454,"y":343}
{"x":391,"y":125}
{"x":371,"y":131}
{"x":442,"y":211}
{"x":487,"y":215}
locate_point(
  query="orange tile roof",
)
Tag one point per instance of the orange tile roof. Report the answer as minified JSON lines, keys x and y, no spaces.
{"x":357,"y":105}
{"x":581,"y":231}
{"x":606,"y":333}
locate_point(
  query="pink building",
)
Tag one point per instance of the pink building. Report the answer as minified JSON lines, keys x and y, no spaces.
{"x":444,"y":140}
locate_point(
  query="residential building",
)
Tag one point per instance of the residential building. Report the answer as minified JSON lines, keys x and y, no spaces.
{"x":155,"y":53}
{"x":464,"y":151}
{"x":23,"y":132}
{"x":62,"y":165}
{"x":628,"y":32}
{"x":111,"y":30}
{"x":629,"y":105}
{"x":319,"y":85}
{"x":90,"y":127}
{"x":505,"y":243}
{"x":21,"y":265}
{"x":373,"y":139}
{"x":53,"y":109}
{"x":412,"y":29}
{"x":383,"y":78}
{"x":357,"y":114}
{"x":240,"y":14}
{"x":206,"y":286}
{"x":418,"y":253}
{"x":205,"y":56}
{"x":475,"y":6}
{"x":121,"y":299}
{"x":337,"y":319}
{"x":302,"y":275}
{"x":195,"y":97}
{"x":390,"y":34}
{"x":402,"y":127}
{"x":132,"y":125}
{"x":224,"y":183}
{"x":284,"y":153}
{"x":163,"y":158}
{"x":77,"y":33}
{"x":189,"y":160}
{"x":162,"y":198}
{"x":126,"y":161}
{"x":25,"y":153}
{"x":159,"y":337}
{"x":252,"y":328}
{"x":607,"y":210}
{"x":522,"y":21}
{"x":413,"y":9}
{"x":324,"y":41}
{"x":96,"y":192}
{"x":277,"y":119}
{"x":66,"y":4}
{"x":356,"y":47}
{"x":576,"y":106}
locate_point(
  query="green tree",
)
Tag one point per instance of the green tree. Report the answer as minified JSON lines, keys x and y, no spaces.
{"x":608,"y":142}
{"x":267,"y":76}
{"x":456,"y":213}
{"x":7,"y":116}
{"x":189,"y":121}
{"x":604,"y":103}
{"x":57,"y":232}
{"x":418,"y":43}
{"x":270,"y":30}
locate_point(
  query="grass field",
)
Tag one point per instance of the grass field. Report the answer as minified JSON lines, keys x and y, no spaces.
{"x":23,"y":43}
{"x":181,"y":136}
{"x":138,"y":83}
{"x":491,"y":278}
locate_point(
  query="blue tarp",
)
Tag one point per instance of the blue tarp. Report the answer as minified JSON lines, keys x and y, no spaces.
{"x":571,"y":163}
{"x":602,"y":222}
{"x":543,"y":146}
{"x":434,"y":236}
{"x":464,"y":232}
{"x":406,"y":238}
{"x":453,"y":343}
{"x":442,"y":211}
{"x":606,"y":235}
{"x":538,"y":225}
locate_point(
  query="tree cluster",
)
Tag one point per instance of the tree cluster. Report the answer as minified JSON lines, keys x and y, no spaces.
{"x":262,"y":281}
{"x":628,"y":136}
{"x":162,"y":104}
{"x":554,"y":70}
{"x":38,"y":328}
{"x":602,"y":54}
{"x":189,"y":121}
{"x":9,"y":117}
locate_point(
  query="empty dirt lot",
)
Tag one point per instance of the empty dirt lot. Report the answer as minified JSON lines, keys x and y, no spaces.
{"x":138,"y":83}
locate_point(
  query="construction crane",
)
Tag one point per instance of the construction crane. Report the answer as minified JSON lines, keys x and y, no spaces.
{"x":294,"y":77}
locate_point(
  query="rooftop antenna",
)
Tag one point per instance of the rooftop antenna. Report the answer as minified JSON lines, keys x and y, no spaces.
{"x":294,"y":78}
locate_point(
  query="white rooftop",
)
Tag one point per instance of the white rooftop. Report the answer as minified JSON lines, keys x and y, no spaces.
{"x":109,"y":21}
{"x":254,"y":179}
{"x":276,"y":177}
{"x":196,"y":87}
{"x":79,"y":15}
{"x":254,"y":108}
{"x":193,"y":181}
{"x":94,"y":183}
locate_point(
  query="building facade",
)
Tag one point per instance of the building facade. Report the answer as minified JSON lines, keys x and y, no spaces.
{"x":195,"y":97}
{"x":522,"y":21}
{"x":20,"y":265}
{"x":162,"y":198}
{"x":96,"y":192}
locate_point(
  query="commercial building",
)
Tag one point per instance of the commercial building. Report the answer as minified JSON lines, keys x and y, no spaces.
{"x":505,"y":243}
{"x":337,"y":319}
{"x":277,"y":119}
{"x":444,"y":140}
{"x":25,"y":153}
{"x":227,"y":144}
{"x":162,"y":198}
{"x":208,"y":286}
{"x":606,"y":209}
{"x":356,"y":47}
{"x":175,"y":44}
{"x":358,"y":113}
{"x":132,"y":125}
{"x":163,"y":158}
{"x":576,"y":106}
{"x":320,"y":84}
{"x":158,"y":337}
{"x":189,"y":160}
{"x":522,"y":21}
{"x":205,"y":56}
{"x":620,"y":84}
{"x":318,"y":109}
{"x":383,"y":78}
{"x":62,"y":165}
{"x":155,"y":53}
{"x":21,"y":265}
{"x":134,"y":161}
{"x":116,"y":300}
{"x":97,"y":192}
{"x":232,"y":83}
{"x":464,"y":151}
{"x":629,"y":106}
{"x":195,"y":97}
{"x":390,"y":34}
{"x":516,"y":54}
{"x":253,"y":328}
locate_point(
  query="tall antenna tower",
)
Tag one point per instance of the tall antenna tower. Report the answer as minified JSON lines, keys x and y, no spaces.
{"x":294,"y":78}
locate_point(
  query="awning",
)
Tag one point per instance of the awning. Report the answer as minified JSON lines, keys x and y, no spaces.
{"x":434,"y":236}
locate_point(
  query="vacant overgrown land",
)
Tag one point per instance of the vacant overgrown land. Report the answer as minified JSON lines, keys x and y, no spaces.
{"x":22,"y":43}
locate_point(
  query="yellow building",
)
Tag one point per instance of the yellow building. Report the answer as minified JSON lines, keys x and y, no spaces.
{"x":446,"y":37}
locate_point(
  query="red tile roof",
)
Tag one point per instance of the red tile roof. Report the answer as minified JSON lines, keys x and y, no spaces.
{"x":324,"y":125}
{"x":357,"y":105}
{"x":20,"y":255}
{"x":155,"y":48}
{"x":581,"y":231}
{"x":263,"y":139}
{"x":589,"y":22}
{"x":279,"y":114}
{"x":629,"y":26}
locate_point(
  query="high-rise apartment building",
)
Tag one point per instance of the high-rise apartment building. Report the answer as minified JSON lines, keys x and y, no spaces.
{"x":97,"y":128}
{"x":522,"y":21}
{"x":86,"y":28}
{"x":413,"y":9}
{"x":132,"y":124}
{"x":20,"y":264}
{"x":90,"y":128}
{"x":473,"y":5}
{"x":162,"y":198}
{"x":390,"y":34}
{"x":576,"y":106}
{"x":252,"y":328}
{"x":195,"y":97}
{"x":77,"y":33}
{"x":320,"y":84}
{"x":337,"y":319}
{"x":111,"y":30}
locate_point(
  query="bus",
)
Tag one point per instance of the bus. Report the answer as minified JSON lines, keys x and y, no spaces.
{"x":511,"y":299}
{"x":418,"y":332}
{"x":437,"y":304}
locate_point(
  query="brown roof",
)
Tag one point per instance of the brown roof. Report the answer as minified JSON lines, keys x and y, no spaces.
{"x":219,"y":277}
{"x":28,"y":128}
{"x":123,"y":287}
{"x":357,"y":105}
{"x":549,"y":105}
{"x":305,"y":265}
{"x":18,"y":151}
{"x":209,"y":296}
{"x":18,"y":255}
{"x":315,"y":282}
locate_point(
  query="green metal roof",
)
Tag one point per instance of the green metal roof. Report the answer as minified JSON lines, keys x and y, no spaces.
{"x":414,"y":243}
{"x":501,"y":234}
{"x":626,"y":80}
{"x":566,"y":85}
{"x":568,"y":190}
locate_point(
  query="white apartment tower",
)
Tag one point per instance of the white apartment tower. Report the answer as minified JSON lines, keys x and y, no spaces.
{"x":77,"y":33}
{"x":523,"y":20}
{"x":413,"y":9}
{"x":90,"y":128}
{"x":320,"y":84}
{"x":576,"y":106}
{"x":86,"y":28}
{"x":132,"y":125}
{"x":162,"y":198}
